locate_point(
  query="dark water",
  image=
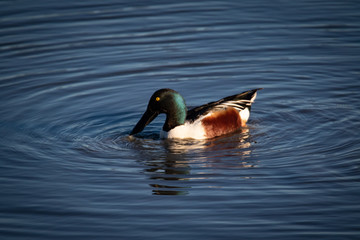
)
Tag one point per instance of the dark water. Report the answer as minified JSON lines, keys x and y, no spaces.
{"x":75,"y":77}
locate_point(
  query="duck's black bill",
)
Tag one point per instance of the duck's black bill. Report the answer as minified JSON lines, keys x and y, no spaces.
{"x":146,"y":118}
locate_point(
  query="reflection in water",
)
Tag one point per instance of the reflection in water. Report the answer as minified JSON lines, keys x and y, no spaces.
{"x":186,"y":161}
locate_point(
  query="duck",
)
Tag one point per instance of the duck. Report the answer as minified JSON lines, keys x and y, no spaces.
{"x":207,"y":121}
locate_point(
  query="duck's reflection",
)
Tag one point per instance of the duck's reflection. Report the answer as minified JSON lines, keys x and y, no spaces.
{"x":170,"y":174}
{"x":186,"y":163}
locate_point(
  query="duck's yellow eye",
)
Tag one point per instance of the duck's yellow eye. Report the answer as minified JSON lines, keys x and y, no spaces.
{"x":157,"y":99}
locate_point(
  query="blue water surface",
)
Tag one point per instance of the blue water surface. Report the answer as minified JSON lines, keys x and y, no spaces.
{"x":76,"y":76}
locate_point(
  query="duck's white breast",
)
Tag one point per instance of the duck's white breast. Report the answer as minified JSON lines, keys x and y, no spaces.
{"x":193,"y":130}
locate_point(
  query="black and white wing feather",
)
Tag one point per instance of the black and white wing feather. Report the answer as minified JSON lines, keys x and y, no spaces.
{"x":239,"y":102}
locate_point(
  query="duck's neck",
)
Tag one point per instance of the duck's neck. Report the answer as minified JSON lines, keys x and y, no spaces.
{"x":176,"y":115}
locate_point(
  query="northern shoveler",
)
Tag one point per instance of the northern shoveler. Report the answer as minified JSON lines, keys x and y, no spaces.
{"x":206,"y":121}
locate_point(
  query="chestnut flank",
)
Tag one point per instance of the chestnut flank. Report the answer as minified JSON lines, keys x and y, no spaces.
{"x":222,"y":122}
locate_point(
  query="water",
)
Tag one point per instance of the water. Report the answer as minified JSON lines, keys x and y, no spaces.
{"x":76,"y":76}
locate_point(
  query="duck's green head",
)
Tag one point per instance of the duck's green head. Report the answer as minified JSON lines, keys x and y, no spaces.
{"x":165,"y":101}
